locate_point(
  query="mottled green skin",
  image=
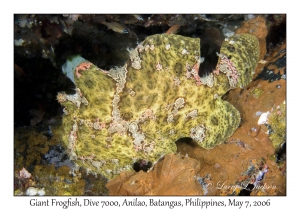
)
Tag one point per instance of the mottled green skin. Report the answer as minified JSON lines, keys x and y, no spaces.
{"x":219,"y":117}
{"x":155,"y":89}
{"x":244,"y":53}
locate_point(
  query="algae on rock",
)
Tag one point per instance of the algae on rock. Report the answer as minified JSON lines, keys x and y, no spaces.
{"x":138,"y":111}
{"x":277,"y":122}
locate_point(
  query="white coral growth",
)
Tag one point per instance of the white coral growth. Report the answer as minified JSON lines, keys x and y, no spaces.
{"x":24,"y":174}
{"x":198,"y":133}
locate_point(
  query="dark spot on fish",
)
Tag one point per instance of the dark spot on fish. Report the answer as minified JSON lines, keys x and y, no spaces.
{"x":231,"y":48}
{"x":214,"y":120}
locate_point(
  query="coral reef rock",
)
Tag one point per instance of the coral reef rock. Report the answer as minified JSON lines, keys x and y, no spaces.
{"x":175,"y":175}
{"x":138,"y":111}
